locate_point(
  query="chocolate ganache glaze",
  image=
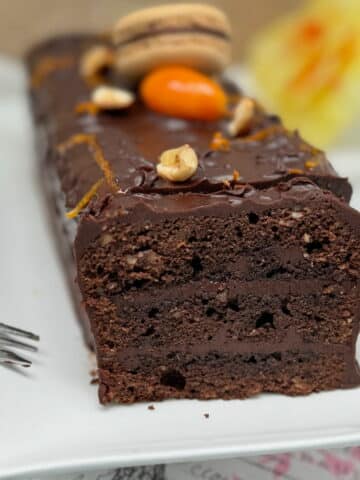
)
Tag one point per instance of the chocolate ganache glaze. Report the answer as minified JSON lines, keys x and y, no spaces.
{"x":132,"y":140}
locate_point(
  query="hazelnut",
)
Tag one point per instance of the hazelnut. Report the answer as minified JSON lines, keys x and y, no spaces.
{"x":177,"y":164}
{"x":242,"y":116}
{"x":131,"y":260}
{"x":306,"y":238}
{"x":299,"y":386}
{"x":95,"y":60}
{"x":106,"y":239}
{"x":297,"y":215}
{"x":111,"y":98}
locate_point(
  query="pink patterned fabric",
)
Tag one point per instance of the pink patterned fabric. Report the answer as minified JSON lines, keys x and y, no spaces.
{"x":341,"y":464}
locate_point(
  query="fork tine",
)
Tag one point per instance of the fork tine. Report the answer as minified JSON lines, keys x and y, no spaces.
{"x":10,"y":342}
{"x":19,"y":332}
{"x":13,"y":359}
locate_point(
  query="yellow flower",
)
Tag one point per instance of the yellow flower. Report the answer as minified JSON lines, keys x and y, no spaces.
{"x":307,"y":67}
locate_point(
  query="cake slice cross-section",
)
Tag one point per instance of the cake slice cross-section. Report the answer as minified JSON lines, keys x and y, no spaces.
{"x":221,"y":296}
{"x":241,"y":280}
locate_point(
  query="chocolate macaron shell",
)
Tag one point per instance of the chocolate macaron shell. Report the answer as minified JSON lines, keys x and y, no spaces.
{"x":204,"y":54}
{"x":190,"y":34}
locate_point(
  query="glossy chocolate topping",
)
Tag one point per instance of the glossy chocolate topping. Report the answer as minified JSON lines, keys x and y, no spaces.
{"x":132,"y":140}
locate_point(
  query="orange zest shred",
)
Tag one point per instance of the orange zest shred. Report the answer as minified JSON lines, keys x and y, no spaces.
{"x":295,"y":171}
{"x":48,"y":65}
{"x":264,"y":133}
{"x":85,"y":199}
{"x":96,"y":79}
{"x":236,"y":175}
{"x":311,"y":164}
{"x":91,"y":142}
{"x":86,"y":107}
{"x":314,"y":152}
{"x":219,"y":142}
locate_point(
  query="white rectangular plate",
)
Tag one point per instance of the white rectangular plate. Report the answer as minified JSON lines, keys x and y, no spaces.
{"x":50,"y":419}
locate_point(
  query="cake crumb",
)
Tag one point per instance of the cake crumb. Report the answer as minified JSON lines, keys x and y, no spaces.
{"x":206,"y":415}
{"x":94,"y":381}
{"x":151,"y":407}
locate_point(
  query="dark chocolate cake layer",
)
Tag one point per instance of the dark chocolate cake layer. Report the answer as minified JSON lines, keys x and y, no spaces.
{"x":211,"y":288}
{"x":179,"y":282}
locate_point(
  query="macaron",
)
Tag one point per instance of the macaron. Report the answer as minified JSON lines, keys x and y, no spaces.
{"x":194,"y":35}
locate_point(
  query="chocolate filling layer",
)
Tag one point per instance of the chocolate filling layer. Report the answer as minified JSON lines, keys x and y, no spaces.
{"x":178,"y":31}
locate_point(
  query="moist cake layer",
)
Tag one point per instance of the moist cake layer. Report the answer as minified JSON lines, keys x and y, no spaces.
{"x":178,"y":281}
{"x":252,"y":312}
{"x":227,"y":376}
{"x":147,"y":241}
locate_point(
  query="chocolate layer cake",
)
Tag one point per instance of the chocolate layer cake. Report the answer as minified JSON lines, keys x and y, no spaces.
{"x":222,"y":286}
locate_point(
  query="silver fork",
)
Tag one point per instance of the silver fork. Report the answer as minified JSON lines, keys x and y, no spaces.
{"x":6,"y":341}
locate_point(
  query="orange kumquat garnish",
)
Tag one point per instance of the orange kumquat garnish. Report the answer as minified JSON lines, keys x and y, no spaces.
{"x":183,"y":92}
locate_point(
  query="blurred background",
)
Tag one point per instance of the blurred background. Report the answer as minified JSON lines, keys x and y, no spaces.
{"x":24,"y":21}
{"x":314,"y":87}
